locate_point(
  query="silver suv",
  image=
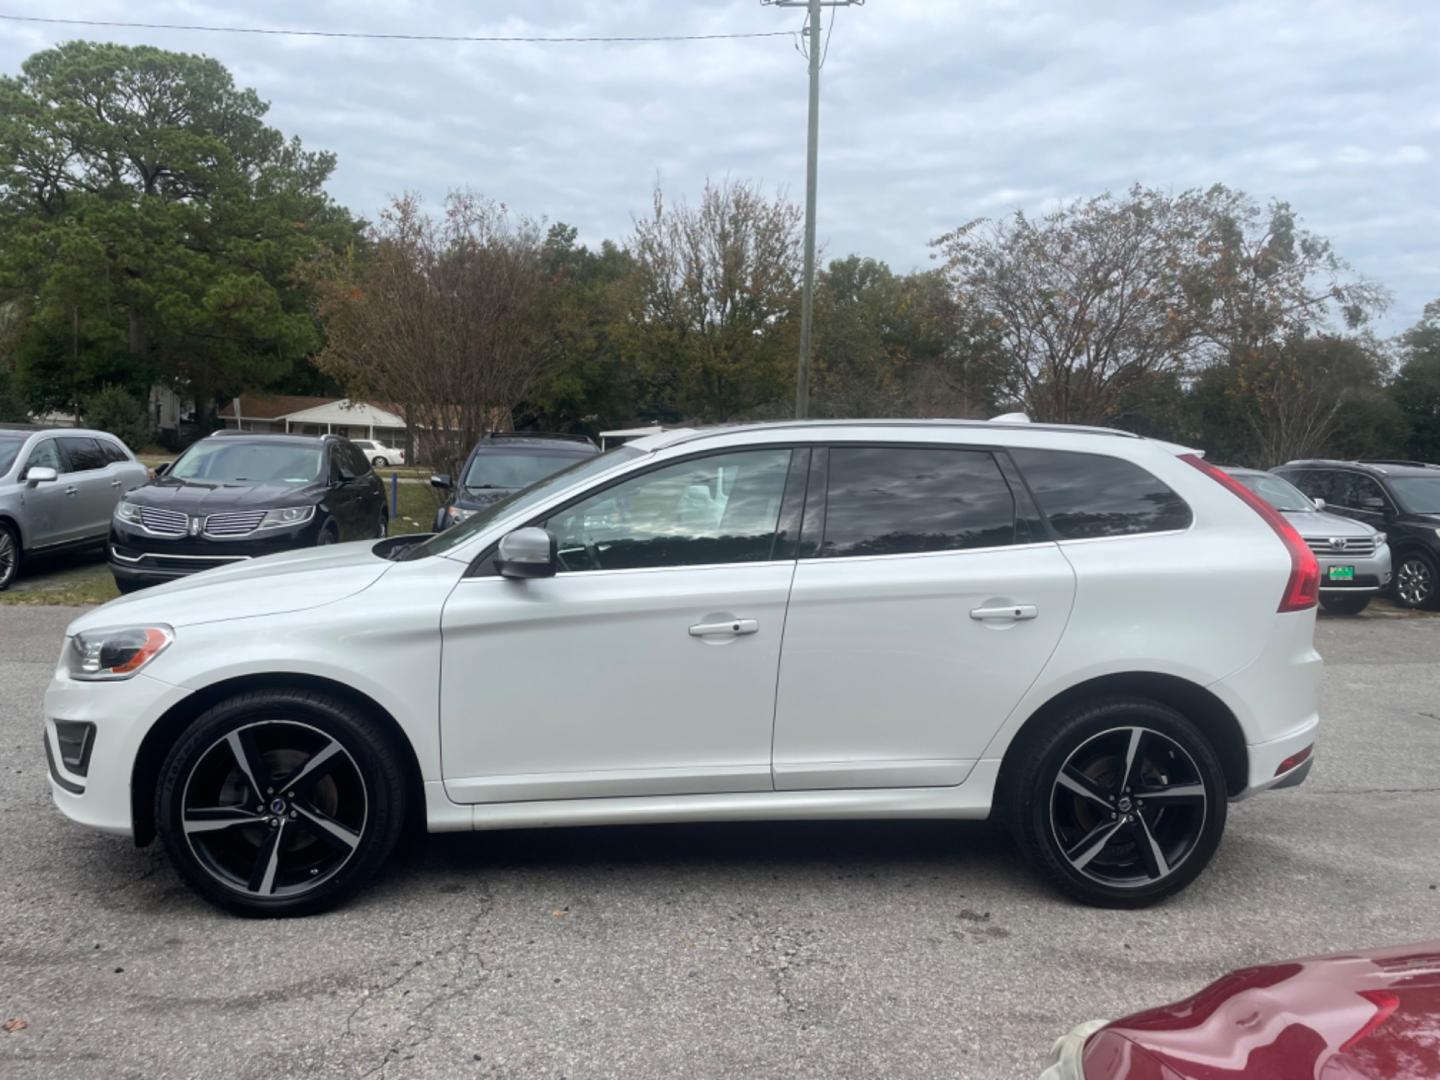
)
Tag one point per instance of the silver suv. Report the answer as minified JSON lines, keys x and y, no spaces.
{"x":1354,"y":558}
{"x":58,"y":488}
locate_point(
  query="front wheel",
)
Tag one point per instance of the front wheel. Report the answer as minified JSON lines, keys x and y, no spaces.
{"x":1345,"y":605}
{"x":9,"y":555}
{"x":277,"y":803}
{"x":1415,"y":580}
{"x":1120,"y":802}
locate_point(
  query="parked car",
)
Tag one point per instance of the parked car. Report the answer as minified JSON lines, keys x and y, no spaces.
{"x":238,"y":495}
{"x":379,"y":454}
{"x":1354,"y":557}
{"x":1400,"y":497}
{"x":1098,"y":638}
{"x":1370,"y":1015}
{"x":57,"y":489}
{"x":502,"y":464}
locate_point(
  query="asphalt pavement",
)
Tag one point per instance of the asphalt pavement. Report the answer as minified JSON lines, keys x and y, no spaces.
{"x":784,"y":950}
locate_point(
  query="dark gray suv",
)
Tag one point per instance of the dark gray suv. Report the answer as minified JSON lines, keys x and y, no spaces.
{"x":58,"y":488}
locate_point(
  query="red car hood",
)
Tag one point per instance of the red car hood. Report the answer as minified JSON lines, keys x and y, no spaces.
{"x":1372,"y":1015}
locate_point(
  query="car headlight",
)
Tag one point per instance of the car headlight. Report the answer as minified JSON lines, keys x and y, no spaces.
{"x":127,"y":512}
{"x":286,"y":517}
{"x":455,"y":515}
{"x":96,"y":655}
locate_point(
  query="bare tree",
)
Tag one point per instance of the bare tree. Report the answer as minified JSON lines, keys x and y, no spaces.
{"x":443,"y":319}
{"x":717,"y":284}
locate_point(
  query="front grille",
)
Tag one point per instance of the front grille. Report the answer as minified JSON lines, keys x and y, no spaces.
{"x":1355,"y":546}
{"x":164,"y":522}
{"x":234,"y":523}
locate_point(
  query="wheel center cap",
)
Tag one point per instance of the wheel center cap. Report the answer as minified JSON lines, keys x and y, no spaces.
{"x":277,"y":806}
{"x":1123,"y":805}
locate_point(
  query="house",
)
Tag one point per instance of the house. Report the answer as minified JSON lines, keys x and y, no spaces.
{"x":314,"y":416}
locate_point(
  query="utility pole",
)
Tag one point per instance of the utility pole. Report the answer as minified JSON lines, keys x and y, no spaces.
{"x":812,"y":148}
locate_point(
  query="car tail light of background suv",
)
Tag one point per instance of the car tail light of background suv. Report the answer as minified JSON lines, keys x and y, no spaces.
{"x":1303,"y":589}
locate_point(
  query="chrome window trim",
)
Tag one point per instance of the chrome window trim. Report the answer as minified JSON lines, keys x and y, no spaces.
{"x":1129,"y":536}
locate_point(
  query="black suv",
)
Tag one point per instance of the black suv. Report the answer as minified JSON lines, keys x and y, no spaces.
{"x":1400,"y":498}
{"x":502,"y":464}
{"x":237,"y":495}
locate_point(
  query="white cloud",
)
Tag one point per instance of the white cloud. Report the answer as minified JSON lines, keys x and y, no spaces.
{"x":934,"y":111}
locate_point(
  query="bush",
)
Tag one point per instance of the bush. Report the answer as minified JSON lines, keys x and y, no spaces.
{"x":119,"y":412}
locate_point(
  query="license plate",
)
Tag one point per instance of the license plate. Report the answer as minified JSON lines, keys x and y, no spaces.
{"x":1342,"y":573}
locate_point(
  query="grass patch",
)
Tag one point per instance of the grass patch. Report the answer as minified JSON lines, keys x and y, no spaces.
{"x":418,"y":503}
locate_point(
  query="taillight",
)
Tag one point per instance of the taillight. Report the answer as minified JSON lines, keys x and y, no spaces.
{"x":1294,"y":759}
{"x":1303,"y":589}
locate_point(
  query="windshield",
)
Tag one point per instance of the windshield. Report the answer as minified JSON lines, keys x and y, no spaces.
{"x":1281,"y":494}
{"x":512,"y":469}
{"x":8,"y":449}
{"x":223,"y":461}
{"x":1417,"y":494}
{"x":582,"y":470}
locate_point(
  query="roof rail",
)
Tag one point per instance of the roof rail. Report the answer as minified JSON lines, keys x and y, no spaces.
{"x":1399,"y":461}
{"x":975,"y":425}
{"x":559,"y":436}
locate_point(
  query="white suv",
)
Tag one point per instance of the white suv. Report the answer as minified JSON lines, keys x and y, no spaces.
{"x":1097,"y":638}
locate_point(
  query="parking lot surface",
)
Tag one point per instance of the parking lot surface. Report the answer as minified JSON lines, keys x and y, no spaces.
{"x":825,"y":950}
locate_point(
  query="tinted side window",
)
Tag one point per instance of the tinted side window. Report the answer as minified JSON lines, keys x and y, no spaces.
{"x":1091,"y":495}
{"x":45,"y":455}
{"x":893,"y":500}
{"x":717,"y":509}
{"x":1313,"y":482}
{"x":359,"y":463}
{"x":1356,"y":492}
{"x":113,"y":453}
{"x":82,"y":454}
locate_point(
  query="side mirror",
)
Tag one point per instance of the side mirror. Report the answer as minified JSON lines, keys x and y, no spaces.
{"x":527,"y":553}
{"x":1373,"y":504}
{"x":40,"y":474}
{"x":440,"y":480}
{"x":1319,"y":503}
{"x":162,"y":468}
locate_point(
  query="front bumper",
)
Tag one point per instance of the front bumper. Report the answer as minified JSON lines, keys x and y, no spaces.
{"x":140,"y":558}
{"x":121,"y":712}
{"x":1372,"y":572}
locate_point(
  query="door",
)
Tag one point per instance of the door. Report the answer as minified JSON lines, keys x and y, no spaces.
{"x":1362,"y":498}
{"x":52,"y":515}
{"x":926,"y":602}
{"x":347,"y":494}
{"x":88,"y":474}
{"x":647,"y":666}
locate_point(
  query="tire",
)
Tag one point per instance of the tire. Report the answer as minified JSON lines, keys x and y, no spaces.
{"x":330,"y":534}
{"x":10,"y":555}
{"x":216,"y":816}
{"x":1416,"y":578}
{"x":1345,"y":605}
{"x":378,"y":461}
{"x":384,"y":530}
{"x":1062,"y":828}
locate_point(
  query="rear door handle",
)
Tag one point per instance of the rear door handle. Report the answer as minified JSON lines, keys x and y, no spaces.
{"x":733,"y":628}
{"x":116,"y":483}
{"x":1012,"y":612}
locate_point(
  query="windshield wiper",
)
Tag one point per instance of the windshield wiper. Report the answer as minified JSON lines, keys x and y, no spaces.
{"x":483,"y":487}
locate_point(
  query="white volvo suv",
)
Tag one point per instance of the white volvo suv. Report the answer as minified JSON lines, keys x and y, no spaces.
{"x":1096,"y":638}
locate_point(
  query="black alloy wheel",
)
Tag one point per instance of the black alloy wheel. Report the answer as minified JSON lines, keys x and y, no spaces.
{"x":1415,"y":580}
{"x":279,"y":803}
{"x":9,"y":555}
{"x":330,"y":534}
{"x":1123,"y":804}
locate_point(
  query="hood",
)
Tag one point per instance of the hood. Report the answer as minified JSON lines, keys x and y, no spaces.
{"x":1321,"y":525}
{"x":193,"y":497}
{"x":479,"y":498}
{"x":1361,"y":1016}
{"x":291,"y":581}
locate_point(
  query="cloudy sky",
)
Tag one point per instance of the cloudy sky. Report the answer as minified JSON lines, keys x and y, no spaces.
{"x":934,"y":111}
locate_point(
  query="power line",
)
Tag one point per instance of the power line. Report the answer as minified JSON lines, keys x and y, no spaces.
{"x":483,"y":38}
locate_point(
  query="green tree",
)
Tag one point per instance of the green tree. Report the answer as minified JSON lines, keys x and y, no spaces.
{"x":1417,"y":387}
{"x":157,"y":222}
{"x":116,"y":410}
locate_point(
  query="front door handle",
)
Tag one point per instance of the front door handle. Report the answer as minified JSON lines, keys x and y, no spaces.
{"x":732,"y":628}
{"x":116,"y":483}
{"x":72,"y":491}
{"x":1011,"y":612}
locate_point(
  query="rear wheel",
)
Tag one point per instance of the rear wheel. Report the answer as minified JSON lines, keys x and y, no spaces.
{"x":279,"y":803}
{"x":9,"y":555}
{"x":1120,"y":802}
{"x":1345,"y":604}
{"x":1415,"y":580}
{"x":378,"y":461}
